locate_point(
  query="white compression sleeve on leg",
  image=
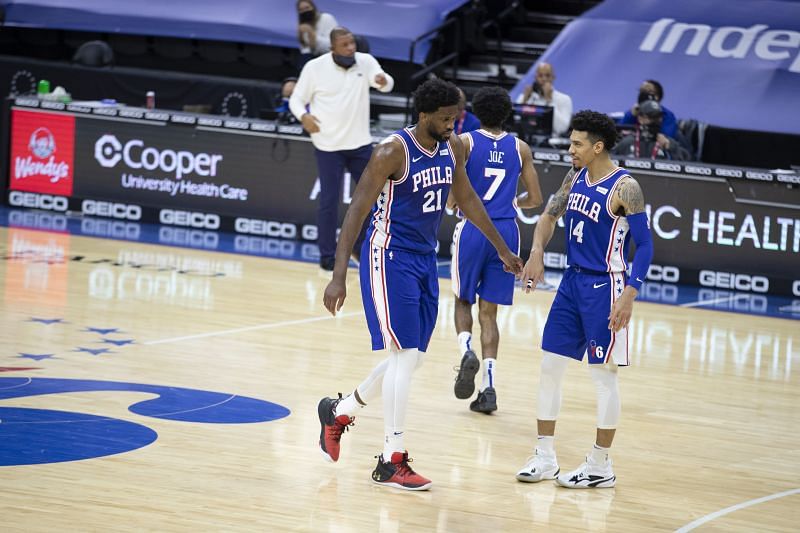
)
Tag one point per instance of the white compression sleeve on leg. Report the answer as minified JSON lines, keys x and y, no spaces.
{"x":396,"y":386}
{"x":369,"y":388}
{"x":552,"y":372}
{"x":608,"y":402}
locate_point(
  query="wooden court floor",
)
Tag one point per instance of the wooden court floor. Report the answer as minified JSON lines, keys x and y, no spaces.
{"x":710,"y":431}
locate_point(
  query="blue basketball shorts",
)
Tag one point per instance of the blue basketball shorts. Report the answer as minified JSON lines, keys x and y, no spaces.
{"x":400,"y":291}
{"x":476,"y":268}
{"x":578,"y":319}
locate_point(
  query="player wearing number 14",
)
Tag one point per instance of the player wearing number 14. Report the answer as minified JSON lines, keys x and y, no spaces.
{"x":603,"y":207}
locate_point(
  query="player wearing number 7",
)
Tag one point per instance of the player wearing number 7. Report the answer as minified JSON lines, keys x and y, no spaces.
{"x":496,"y":162}
{"x":405,"y":186}
{"x":603,"y":207}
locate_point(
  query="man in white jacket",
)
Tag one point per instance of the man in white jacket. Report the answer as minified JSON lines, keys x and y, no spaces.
{"x":543,"y":93}
{"x":331,"y":99}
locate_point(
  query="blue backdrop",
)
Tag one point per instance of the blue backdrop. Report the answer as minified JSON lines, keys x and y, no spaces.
{"x":733,"y":63}
{"x":390,"y":25}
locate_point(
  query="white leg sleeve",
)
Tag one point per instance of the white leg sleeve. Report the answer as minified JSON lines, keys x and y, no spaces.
{"x":369,"y":388}
{"x":552,"y":372}
{"x":396,"y":387}
{"x":608,"y":402}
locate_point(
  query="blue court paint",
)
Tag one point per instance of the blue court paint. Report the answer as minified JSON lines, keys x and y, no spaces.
{"x":38,"y":436}
{"x":35,"y":436}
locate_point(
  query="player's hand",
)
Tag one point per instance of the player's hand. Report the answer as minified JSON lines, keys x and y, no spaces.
{"x":622,"y":310}
{"x":511,"y":263}
{"x":533,"y":272}
{"x":380,"y":80}
{"x":310,"y":123}
{"x":334,"y":296}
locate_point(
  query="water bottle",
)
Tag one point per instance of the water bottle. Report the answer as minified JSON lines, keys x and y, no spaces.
{"x":150,"y":102}
{"x":43,"y":88}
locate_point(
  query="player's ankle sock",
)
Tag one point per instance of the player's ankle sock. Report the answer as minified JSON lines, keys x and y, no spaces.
{"x":393,"y":442}
{"x":464,"y":342}
{"x":599,"y":454}
{"x":347,"y":405}
{"x":489,"y":365}
{"x":546,"y":444}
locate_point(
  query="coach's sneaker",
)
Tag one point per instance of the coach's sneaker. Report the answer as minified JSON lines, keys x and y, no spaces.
{"x":465,"y":380}
{"x":540,"y":466}
{"x":398,"y":474}
{"x":590,"y":475}
{"x":486,"y":402}
{"x":332,"y":427}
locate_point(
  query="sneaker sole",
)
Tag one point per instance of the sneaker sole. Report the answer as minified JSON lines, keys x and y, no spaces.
{"x":553,"y":474}
{"x":465,"y":381}
{"x":601,"y":484}
{"x":321,"y":413}
{"x":402,"y":487}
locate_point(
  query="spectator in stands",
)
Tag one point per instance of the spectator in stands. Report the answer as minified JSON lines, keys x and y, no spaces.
{"x":335,"y":86}
{"x":647,"y":141}
{"x":652,"y":90}
{"x":543,"y":93}
{"x":466,"y":121}
{"x":287,"y":88}
{"x":313,"y":31}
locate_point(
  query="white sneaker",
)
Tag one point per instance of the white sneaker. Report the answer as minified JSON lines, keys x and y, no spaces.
{"x":589,"y":475}
{"x":539,"y":466}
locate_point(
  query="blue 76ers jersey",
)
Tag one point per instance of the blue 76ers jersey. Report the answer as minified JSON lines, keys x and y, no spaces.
{"x":493,"y":168}
{"x":409,"y":209}
{"x":597,"y":239}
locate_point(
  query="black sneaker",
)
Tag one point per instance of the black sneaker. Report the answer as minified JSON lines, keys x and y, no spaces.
{"x":465,"y":380}
{"x":331,"y":427}
{"x":398,"y":473}
{"x":327,"y":263}
{"x":486,"y":402}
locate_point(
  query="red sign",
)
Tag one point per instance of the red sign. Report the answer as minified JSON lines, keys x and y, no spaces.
{"x":42,"y":152}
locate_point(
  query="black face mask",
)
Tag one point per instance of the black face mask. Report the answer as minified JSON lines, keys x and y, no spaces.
{"x":307,"y":17}
{"x":643,"y":97}
{"x":651,"y":130}
{"x":344,"y":61}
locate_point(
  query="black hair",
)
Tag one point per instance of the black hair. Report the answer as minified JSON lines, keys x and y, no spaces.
{"x":598,"y":126}
{"x":435,"y":93}
{"x":658,"y":87}
{"x":491,"y":105}
{"x":339,"y":31}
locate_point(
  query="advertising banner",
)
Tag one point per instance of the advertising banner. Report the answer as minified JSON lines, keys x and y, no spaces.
{"x":734,"y":64}
{"x":41,"y":152}
{"x":718,"y":227}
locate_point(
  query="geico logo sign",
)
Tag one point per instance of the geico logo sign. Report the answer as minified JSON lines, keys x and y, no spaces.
{"x":111,"y":209}
{"x":266,"y":227}
{"x":192,"y":219}
{"x":796,"y":288}
{"x":729,"y":280}
{"x":670,"y":274}
{"x":108,"y":151}
{"x":37,"y":201}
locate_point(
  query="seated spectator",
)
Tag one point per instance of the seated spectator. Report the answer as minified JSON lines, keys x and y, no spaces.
{"x":313,"y":30}
{"x":647,"y":141}
{"x":652,"y":90}
{"x":543,"y":93}
{"x":466,"y":121}
{"x":287,"y":88}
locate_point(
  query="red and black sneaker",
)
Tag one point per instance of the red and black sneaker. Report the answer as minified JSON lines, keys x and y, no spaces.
{"x":398,"y":474}
{"x":332,"y":427}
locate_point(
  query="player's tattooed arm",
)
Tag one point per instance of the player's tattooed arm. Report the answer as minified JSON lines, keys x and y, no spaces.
{"x":630,"y":196}
{"x":557,"y":205}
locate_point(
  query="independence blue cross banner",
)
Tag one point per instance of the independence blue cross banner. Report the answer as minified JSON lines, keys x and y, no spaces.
{"x":731,"y":63}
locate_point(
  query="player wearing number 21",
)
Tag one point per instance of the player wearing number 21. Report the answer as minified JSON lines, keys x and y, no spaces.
{"x":405,"y":187}
{"x":603,"y":207}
